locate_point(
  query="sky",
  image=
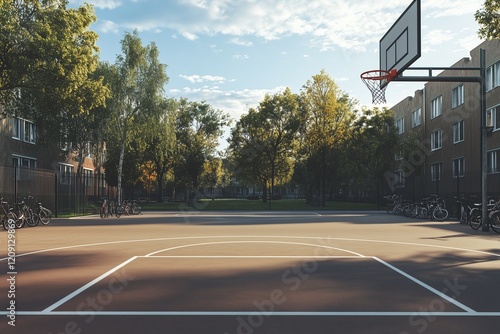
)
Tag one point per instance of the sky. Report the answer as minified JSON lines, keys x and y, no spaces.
{"x":230,"y":53}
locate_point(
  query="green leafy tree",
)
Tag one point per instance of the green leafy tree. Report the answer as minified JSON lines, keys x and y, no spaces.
{"x":488,"y":18}
{"x":161,"y":143}
{"x":264,"y":142}
{"x":199,"y":128}
{"x":137,"y":81}
{"x":47,"y":57}
{"x":371,"y":149}
{"x":329,"y":113}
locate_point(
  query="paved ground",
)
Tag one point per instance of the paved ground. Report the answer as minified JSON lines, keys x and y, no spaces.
{"x":250,"y":272}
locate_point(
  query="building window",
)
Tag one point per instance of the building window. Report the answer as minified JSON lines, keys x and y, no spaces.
{"x":24,"y":167}
{"x":458,"y":167}
{"x":87,"y":177}
{"x":416,"y":118}
{"x":65,"y":174}
{"x":493,"y":76}
{"x":493,"y":161}
{"x":457,"y":96}
{"x":399,"y":153}
{"x":493,"y":118}
{"x":29,"y":132}
{"x":436,"y":140}
{"x":16,"y":128}
{"x":23,"y":130}
{"x":436,"y":171}
{"x":400,"y":125}
{"x":436,"y":107}
{"x":458,"y":132}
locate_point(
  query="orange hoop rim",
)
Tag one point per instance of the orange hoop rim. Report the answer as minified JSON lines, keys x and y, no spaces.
{"x":379,"y":75}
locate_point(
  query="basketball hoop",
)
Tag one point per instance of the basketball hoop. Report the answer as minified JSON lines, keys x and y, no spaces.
{"x":376,"y":81}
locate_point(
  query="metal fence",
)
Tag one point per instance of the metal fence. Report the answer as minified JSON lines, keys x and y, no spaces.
{"x":62,"y":194}
{"x":415,"y":187}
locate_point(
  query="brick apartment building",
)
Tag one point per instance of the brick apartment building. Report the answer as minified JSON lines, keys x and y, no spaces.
{"x":444,"y":120}
{"x":44,"y":172}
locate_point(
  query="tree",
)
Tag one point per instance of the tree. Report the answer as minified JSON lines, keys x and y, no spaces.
{"x":137,"y":81}
{"x":329,"y":113}
{"x":264,"y":142}
{"x":488,"y":19}
{"x":161,"y":143}
{"x":199,"y":128}
{"x":371,"y":148}
{"x":47,"y":56}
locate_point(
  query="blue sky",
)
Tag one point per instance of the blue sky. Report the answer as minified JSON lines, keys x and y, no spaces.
{"x":232,"y":52}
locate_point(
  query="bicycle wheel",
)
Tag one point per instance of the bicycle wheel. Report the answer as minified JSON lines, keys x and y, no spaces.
{"x":118,"y":211}
{"x":19,"y":222}
{"x":475,"y":218}
{"x":31,"y":219}
{"x":463,"y":216}
{"x":440,"y":213}
{"x":45,"y":216}
{"x":11,"y":218}
{"x":410,"y":210}
{"x":495,"y":221}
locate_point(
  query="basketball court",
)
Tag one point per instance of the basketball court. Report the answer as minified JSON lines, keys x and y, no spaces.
{"x":257,"y":272}
{"x":254,"y":272}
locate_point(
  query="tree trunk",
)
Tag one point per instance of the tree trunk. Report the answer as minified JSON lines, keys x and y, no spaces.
{"x":120,"y":170}
{"x":159,"y":193}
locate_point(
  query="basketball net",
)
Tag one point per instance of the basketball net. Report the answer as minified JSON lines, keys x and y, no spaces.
{"x":373,"y":80}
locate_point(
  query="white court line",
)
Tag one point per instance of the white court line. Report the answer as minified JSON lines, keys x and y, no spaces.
{"x":248,"y":257}
{"x":253,"y":236}
{"x":428,"y":287}
{"x":256,"y":313}
{"x":86,"y":286}
{"x":50,"y":309}
{"x":253,"y":241}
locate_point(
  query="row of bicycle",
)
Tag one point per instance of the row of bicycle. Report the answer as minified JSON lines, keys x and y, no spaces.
{"x":21,"y":213}
{"x":471,"y":213}
{"x":110,"y":208}
{"x":432,"y":207}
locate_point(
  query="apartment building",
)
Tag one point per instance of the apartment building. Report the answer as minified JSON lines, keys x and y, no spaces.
{"x":47,"y":173}
{"x":443,"y":123}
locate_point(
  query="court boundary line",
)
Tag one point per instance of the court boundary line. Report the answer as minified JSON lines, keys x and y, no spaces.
{"x":51,"y":308}
{"x":86,"y":286}
{"x":250,"y":313}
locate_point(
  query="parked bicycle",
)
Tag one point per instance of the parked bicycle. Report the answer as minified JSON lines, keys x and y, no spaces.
{"x":466,"y":208}
{"x":7,"y":217}
{"x":103,"y":211}
{"x":42,"y":214}
{"x":433,"y":207}
{"x":493,"y":212}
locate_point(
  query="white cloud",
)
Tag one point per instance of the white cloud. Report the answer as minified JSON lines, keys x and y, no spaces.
{"x":450,"y":8}
{"x":239,"y":41}
{"x":189,"y":35}
{"x":329,"y":24}
{"x":101,"y":4}
{"x":234,"y":102}
{"x":239,"y":57}
{"x":108,"y":26}
{"x":203,"y":78}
